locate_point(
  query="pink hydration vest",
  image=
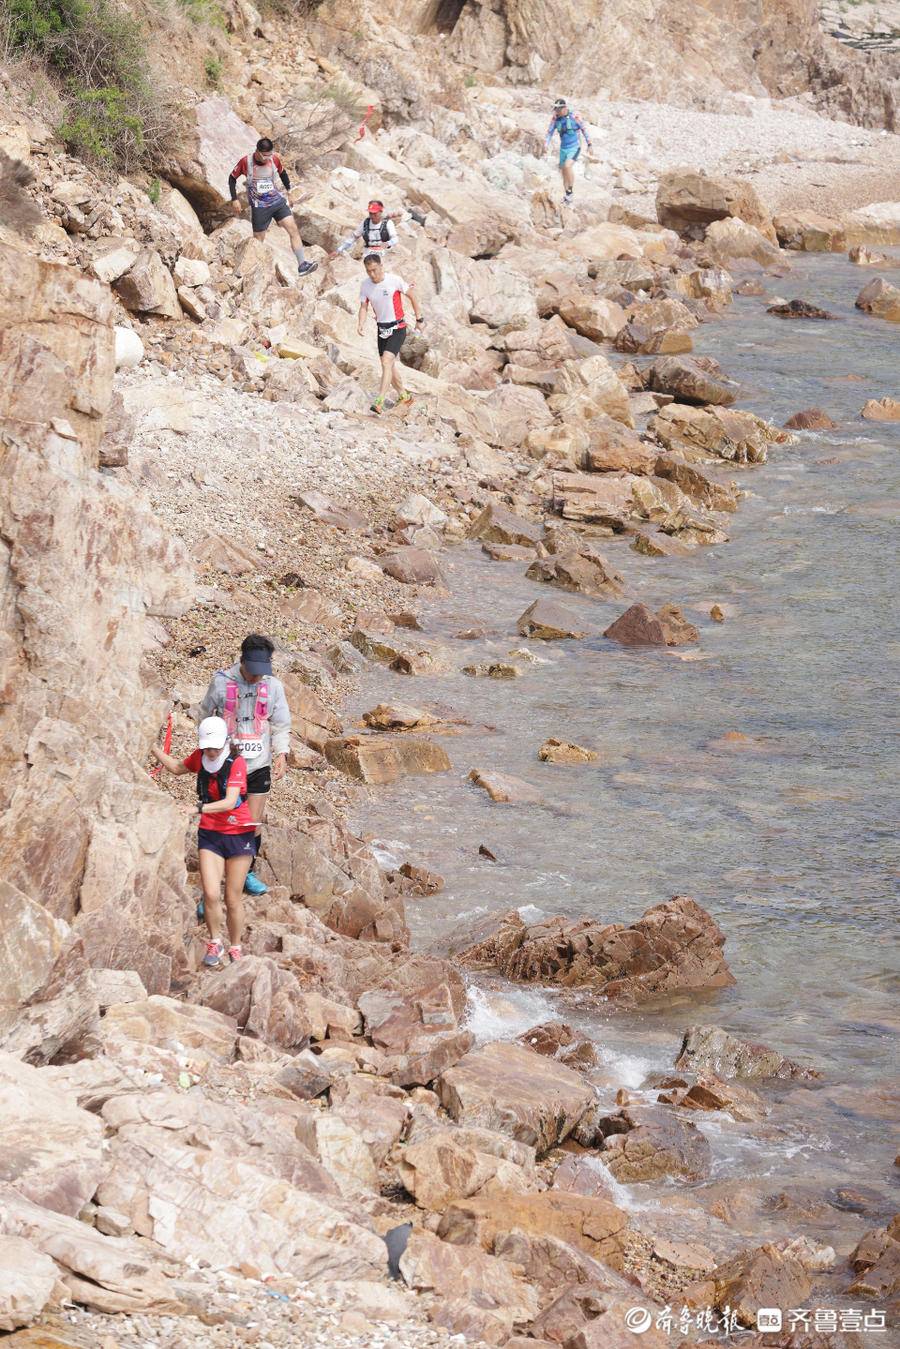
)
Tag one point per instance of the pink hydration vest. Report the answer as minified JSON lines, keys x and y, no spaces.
{"x":260,"y":711}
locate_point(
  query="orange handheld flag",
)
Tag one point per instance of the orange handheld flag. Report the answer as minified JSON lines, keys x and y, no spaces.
{"x":362,"y":126}
{"x":167,"y":745}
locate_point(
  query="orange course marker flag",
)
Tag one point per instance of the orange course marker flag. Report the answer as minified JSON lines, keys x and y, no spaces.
{"x":167,"y":746}
{"x":362,"y":126}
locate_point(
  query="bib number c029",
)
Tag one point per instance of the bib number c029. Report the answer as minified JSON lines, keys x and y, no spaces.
{"x":250,"y":747}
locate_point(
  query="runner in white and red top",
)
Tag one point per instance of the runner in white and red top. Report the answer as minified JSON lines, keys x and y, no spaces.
{"x":384,"y":293}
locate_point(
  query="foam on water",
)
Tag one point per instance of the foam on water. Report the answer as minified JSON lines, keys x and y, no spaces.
{"x":504,"y":1016}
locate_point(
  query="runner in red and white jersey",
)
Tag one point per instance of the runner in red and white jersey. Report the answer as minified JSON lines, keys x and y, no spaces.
{"x":384,"y":292}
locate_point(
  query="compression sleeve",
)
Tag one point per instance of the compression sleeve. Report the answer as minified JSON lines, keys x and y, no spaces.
{"x":232,"y":186}
{"x":581,"y":127}
{"x":550,"y":130}
{"x":283,"y":175}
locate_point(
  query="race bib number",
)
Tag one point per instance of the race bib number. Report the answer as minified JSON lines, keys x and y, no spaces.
{"x":250,"y":748}
{"x":265,"y":186}
{"x":386,"y":331}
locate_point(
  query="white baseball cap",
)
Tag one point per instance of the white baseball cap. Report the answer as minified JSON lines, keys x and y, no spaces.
{"x":212,"y":733}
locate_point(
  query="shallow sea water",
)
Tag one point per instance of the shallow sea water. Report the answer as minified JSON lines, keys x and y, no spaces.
{"x":789,"y":841}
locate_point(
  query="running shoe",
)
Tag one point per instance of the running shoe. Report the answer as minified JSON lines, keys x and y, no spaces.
{"x":215,"y":950}
{"x":377,"y":407}
{"x":234,"y":953}
{"x":305,"y":268}
{"x":404,"y":400}
{"x":254,"y":886}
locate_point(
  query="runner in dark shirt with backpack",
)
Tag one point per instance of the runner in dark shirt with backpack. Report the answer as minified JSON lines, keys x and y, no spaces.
{"x":260,"y":168}
{"x":226,"y":842}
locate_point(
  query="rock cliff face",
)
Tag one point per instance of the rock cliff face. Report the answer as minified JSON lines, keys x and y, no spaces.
{"x":90,"y":852}
{"x":670,"y":50}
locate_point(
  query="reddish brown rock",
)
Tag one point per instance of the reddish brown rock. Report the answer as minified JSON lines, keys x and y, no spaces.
{"x":876,"y":1260}
{"x":506,"y":789}
{"x":799,"y":309}
{"x":811,"y":419}
{"x":414,"y":1015}
{"x":712,"y":1049}
{"x":762,"y":1277}
{"x":382,"y":758}
{"x":412,"y":566}
{"x":715,"y":496}
{"x":548,"y":621}
{"x":566,"y":752}
{"x":687,"y":200}
{"x":592,"y":1318}
{"x":507,"y":1087}
{"x":592,"y":1225}
{"x":421,"y":880}
{"x":692,"y":380}
{"x":639,"y":626}
{"x":613,"y":448}
{"x":711,"y":1093}
{"x":646,"y":1143}
{"x":497,"y":524}
{"x":580,"y":571}
{"x":881,"y":410}
{"x":674,"y":945}
{"x":880,"y":298}
{"x":265,"y":1001}
{"x":559,"y":1041}
{"x":465,"y":1273}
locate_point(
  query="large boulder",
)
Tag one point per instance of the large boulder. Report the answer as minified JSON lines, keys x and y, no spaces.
{"x":692,"y":379}
{"x":51,"y":1150}
{"x":581,"y":571}
{"x":687,"y":200}
{"x":586,"y":1222}
{"x":650,"y":1143}
{"x":589,"y":387}
{"x":717,"y":432}
{"x":733,"y":238}
{"x":595,"y":498}
{"x":214,"y":138}
{"x":639,"y":626}
{"x":675,"y":945}
{"x":548,"y":621}
{"x":414,"y":1015}
{"x":712,"y":1049}
{"x":468,"y":1280}
{"x":880,"y":298}
{"x":762,"y":1277}
{"x":592,"y":316}
{"x":451,"y":1164}
{"x":29,"y":1279}
{"x":385,"y":758}
{"x":265,"y":1001}
{"x":507,"y":1087}
{"x":147,"y":287}
{"x":498,"y":524}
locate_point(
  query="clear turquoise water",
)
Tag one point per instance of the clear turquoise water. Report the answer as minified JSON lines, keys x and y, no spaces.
{"x":791,"y":845}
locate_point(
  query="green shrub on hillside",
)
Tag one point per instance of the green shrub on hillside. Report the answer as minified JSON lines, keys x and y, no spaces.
{"x":213,"y":68}
{"x":115,"y":115}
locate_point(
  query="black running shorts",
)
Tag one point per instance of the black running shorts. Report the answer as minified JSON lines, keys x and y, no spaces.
{"x":259,"y":781}
{"x":391,"y":339}
{"x":227,"y":845}
{"x":262,"y":216}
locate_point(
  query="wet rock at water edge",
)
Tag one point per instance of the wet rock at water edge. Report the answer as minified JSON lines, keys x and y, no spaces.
{"x":709,"y":1092}
{"x":880,"y":299}
{"x":549,"y":622}
{"x":383,"y":758}
{"x":497,"y":524}
{"x":762,"y":1277}
{"x":639,"y":626}
{"x":798,"y":309}
{"x":713,"y":1049}
{"x":580,"y":571}
{"x":506,"y":789}
{"x":692,"y":379}
{"x":810,"y":419}
{"x":645,"y":1143}
{"x":675,"y":945}
{"x":421,"y":880}
{"x":881,"y":410}
{"x":558,"y":1040}
{"x":495,"y":669}
{"x":565,"y":752}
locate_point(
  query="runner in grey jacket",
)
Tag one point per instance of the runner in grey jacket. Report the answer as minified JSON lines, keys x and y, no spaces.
{"x":254,"y":705}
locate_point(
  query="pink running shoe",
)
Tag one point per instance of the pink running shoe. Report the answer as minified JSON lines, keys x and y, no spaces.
{"x":235,"y":953}
{"x":215,"y":950}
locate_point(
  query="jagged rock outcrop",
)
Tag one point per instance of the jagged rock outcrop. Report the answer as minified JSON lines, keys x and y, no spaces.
{"x":674,"y":945}
{"x":92,"y":854}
